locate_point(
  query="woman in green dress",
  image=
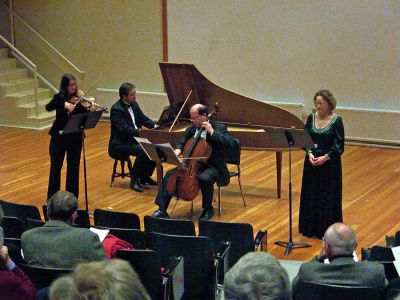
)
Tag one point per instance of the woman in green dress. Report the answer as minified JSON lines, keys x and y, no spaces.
{"x":321,"y":193}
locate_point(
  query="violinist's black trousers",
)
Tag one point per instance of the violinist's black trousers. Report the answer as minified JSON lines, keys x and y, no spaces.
{"x":206,"y":179}
{"x":71,"y":144}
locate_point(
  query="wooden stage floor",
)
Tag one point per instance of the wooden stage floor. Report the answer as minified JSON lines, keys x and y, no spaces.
{"x":371,"y":188}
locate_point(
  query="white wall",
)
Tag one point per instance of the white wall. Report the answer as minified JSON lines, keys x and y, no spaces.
{"x":120,"y":40}
{"x":285,"y":50}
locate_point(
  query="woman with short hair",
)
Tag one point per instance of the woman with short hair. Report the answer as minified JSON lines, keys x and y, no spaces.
{"x":321,"y":193}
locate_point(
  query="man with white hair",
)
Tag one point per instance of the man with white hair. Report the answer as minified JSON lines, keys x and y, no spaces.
{"x":257,"y":275}
{"x":339,"y":243}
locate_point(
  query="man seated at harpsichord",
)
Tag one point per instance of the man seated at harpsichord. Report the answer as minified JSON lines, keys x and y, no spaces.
{"x":127,"y":120}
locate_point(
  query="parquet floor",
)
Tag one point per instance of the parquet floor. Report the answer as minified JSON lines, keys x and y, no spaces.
{"x":371,"y":187}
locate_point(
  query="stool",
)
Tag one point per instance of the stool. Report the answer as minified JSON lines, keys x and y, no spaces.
{"x":121,"y":174}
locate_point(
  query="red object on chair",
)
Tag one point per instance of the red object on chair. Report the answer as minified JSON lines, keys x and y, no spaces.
{"x":111,"y":244}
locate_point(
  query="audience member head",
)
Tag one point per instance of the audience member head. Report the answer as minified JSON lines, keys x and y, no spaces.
{"x":127,"y":92}
{"x":108,"y":279}
{"x":257,"y":275}
{"x":62,"y":206}
{"x":339,"y":239}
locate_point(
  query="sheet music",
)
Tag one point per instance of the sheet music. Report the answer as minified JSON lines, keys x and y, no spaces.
{"x":141,"y":140}
{"x":102,"y":233}
{"x":153,"y":151}
{"x":396,"y":262}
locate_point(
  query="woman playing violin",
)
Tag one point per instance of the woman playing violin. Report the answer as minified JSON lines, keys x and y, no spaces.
{"x":67,"y":102}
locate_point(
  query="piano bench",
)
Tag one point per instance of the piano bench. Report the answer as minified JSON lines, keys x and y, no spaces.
{"x":121,"y":174}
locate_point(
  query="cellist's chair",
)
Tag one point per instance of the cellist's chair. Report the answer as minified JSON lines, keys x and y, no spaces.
{"x":233,"y":158}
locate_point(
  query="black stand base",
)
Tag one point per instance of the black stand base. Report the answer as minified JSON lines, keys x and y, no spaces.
{"x":291,"y":245}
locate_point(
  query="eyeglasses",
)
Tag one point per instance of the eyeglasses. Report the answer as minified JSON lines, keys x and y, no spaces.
{"x":194,"y":118}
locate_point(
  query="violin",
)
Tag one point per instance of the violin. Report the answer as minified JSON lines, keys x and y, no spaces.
{"x":184,"y":182}
{"x":86,"y":101}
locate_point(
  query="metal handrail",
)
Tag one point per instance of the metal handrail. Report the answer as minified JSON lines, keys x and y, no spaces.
{"x":13,"y":13}
{"x":19,"y":55}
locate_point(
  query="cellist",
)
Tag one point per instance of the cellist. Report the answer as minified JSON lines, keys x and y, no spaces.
{"x":216,"y":135}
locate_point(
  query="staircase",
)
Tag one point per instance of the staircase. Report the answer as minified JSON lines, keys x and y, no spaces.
{"x":17,"y":96}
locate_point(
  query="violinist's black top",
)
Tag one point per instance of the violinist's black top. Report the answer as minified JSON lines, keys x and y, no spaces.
{"x":62,"y":115}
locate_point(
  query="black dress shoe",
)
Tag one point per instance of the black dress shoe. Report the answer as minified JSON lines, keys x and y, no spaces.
{"x":148,"y":180}
{"x":160,"y":214}
{"x":207,"y":213}
{"x":135,"y":185}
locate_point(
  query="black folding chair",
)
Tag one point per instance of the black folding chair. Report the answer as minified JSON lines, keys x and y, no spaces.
{"x":240,"y":236}
{"x":392,"y":294}
{"x":12,"y":227}
{"x":233,"y":158}
{"x":114,"y":219}
{"x":201,"y":262}
{"x":169,"y":226}
{"x":391,"y":241}
{"x":31,"y":223}
{"x":14,"y":249}
{"x":43,"y":277}
{"x":382,"y":255}
{"x":315,"y":291}
{"x":133,"y":236}
{"x":21,"y":211}
{"x":397,"y":239}
{"x":166,"y":284}
{"x":82,"y":220}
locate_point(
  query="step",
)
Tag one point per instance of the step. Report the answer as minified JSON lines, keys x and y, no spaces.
{"x":13,"y":74}
{"x":44,"y":119}
{"x":30,"y":107}
{"x":14,"y":86}
{"x":7,"y":63}
{"x":28,"y":96}
{"x":42,"y":102}
{"x":4,"y":52}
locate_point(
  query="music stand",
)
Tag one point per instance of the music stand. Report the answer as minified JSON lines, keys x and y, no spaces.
{"x":291,"y":139}
{"x":160,"y":153}
{"x":78,"y":123}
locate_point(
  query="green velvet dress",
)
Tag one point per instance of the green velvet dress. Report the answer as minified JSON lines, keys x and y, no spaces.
{"x":321,"y":192}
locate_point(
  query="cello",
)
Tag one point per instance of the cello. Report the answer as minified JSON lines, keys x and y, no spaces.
{"x":184,"y":182}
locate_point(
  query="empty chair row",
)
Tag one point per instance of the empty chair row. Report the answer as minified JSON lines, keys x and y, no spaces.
{"x":240,"y":235}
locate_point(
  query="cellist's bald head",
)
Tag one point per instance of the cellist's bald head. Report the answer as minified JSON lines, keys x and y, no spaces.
{"x":198,"y":114}
{"x":200,"y":109}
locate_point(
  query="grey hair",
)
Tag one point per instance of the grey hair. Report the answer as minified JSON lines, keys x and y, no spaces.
{"x":339,"y":242}
{"x":257,"y":275}
{"x":103,"y":280}
{"x":61,"y":206}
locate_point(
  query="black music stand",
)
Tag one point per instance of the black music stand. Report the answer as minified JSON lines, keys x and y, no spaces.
{"x":78,"y":123}
{"x":291,"y":139}
{"x":160,"y":153}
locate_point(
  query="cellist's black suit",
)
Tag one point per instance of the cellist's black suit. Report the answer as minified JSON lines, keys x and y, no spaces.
{"x":215,"y":171}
